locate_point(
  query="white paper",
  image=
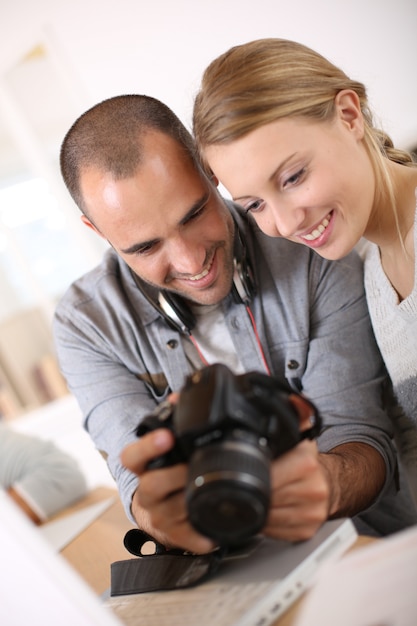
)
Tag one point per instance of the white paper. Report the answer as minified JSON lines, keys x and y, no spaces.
{"x":375,"y":585}
{"x":59,"y":533}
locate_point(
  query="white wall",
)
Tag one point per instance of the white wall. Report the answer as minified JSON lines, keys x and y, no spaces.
{"x":160,"y":47}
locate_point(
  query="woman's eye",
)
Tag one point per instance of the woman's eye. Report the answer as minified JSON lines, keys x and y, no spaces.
{"x":295,"y":178}
{"x":253,"y":206}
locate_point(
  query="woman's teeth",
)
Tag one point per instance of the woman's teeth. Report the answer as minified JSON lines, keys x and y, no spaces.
{"x":319,"y":230}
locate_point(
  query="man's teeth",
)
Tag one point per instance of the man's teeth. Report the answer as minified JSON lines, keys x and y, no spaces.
{"x":199,"y":276}
{"x":317,"y":231}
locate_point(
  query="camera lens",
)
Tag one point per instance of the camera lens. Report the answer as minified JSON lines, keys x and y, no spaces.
{"x":228,"y":490}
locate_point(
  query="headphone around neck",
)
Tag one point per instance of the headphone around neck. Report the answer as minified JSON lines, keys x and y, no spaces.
{"x":177,"y":312}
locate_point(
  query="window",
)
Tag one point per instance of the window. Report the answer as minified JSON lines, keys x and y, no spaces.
{"x":43,"y":244}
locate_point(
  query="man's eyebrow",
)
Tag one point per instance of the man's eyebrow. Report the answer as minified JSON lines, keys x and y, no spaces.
{"x":198,"y":204}
{"x":136,"y":247}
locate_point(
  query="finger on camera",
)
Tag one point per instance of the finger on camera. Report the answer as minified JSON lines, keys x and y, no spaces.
{"x":170,"y":518}
{"x":137,"y":455}
{"x":299,"y":462}
{"x":186,"y":538}
{"x":158,"y":485}
{"x":303,"y":409}
{"x":310,"y":495}
{"x":301,"y":532}
{"x":297,"y":521}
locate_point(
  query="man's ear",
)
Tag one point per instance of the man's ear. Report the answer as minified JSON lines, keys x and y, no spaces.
{"x":348,"y":110}
{"x":89,"y":224}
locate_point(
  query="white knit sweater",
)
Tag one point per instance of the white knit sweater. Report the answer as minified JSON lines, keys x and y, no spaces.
{"x":395,"y":327}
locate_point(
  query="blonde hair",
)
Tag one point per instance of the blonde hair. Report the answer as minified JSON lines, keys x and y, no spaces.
{"x":261,"y":81}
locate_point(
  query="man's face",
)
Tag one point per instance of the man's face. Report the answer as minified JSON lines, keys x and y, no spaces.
{"x":167,"y":222}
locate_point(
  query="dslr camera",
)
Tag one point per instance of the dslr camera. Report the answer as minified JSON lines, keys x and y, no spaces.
{"x":228,"y":428}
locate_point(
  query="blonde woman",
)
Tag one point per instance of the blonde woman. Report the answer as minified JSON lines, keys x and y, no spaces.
{"x":292,"y":139}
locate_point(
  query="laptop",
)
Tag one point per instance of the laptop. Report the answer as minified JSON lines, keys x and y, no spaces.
{"x":253,"y":587}
{"x":37,"y":585}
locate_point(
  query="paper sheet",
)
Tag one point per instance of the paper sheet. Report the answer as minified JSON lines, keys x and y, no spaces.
{"x":374,"y":586}
{"x":61,"y":532}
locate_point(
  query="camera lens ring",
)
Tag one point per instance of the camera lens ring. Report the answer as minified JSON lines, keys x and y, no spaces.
{"x":228,"y":490}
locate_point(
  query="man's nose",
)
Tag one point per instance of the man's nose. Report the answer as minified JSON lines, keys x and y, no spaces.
{"x":187,"y":256}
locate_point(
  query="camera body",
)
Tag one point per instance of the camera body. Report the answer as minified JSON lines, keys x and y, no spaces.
{"x":228,"y":428}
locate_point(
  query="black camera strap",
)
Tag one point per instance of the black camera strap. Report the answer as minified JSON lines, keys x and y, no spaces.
{"x":163,"y":570}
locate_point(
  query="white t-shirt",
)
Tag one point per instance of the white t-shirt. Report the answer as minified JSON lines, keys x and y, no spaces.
{"x":213,"y":339}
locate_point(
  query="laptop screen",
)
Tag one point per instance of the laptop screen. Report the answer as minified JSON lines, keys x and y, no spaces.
{"x":38,"y":587}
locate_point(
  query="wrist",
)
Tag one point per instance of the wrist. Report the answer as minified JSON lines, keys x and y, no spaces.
{"x":356,"y":474}
{"x":330,"y":465}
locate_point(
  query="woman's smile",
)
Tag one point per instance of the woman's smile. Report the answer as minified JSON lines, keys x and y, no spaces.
{"x":320,"y":233}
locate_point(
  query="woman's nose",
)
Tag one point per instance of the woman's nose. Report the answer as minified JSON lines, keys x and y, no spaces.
{"x":278,"y":221}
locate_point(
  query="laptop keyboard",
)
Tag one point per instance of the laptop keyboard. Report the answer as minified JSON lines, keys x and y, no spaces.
{"x":212,"y":604}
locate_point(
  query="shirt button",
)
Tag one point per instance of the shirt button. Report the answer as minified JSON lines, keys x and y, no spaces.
{"x":292,"y":364}
{"x":235,"y":323}
{"x":172,"y":344}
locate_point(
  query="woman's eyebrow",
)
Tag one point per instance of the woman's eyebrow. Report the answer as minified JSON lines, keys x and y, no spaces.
{"x":270,"y":178}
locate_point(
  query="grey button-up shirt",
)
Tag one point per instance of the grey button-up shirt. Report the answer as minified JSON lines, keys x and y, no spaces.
{"x":121,"y":358}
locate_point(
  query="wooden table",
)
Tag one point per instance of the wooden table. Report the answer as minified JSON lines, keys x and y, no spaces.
{"x":99,"y":545}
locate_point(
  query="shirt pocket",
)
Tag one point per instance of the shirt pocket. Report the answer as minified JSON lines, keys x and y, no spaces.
{"x":292,"y":356}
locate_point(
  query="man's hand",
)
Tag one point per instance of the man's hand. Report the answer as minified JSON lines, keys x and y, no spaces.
{"x":300,"y":495}
{"x":300,"y":490}
{"x":309,"y":487}
{"x":159,"y":504}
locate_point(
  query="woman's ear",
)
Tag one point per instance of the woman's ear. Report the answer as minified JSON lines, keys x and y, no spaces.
{"x":349,"y":111}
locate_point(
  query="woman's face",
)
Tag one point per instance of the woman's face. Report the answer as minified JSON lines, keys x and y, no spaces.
{"x":310,"y":182}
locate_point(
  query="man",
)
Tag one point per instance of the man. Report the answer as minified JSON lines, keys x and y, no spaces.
{"x":175,"y":292}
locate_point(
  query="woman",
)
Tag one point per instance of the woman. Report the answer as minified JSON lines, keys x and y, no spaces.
{"x":292,"y":138}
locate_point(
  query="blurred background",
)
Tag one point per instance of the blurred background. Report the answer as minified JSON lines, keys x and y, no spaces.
{"x":58,"y":58}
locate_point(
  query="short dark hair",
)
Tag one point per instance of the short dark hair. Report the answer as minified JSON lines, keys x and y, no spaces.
{"x":108,"y":136}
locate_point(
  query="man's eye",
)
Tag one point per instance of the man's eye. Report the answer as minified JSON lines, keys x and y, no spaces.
{"x":146,"y":248}
{"x":196,"y":214}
